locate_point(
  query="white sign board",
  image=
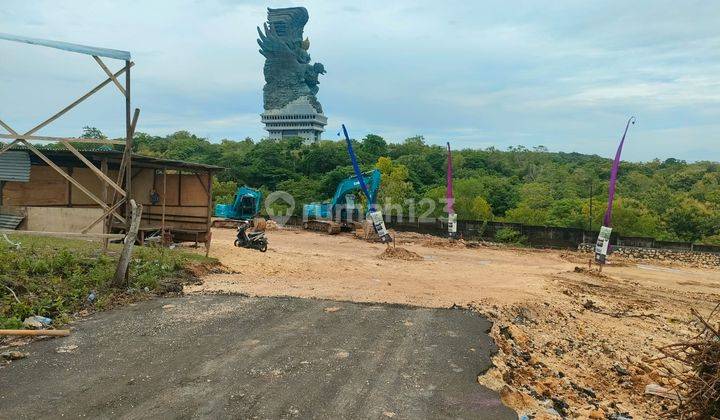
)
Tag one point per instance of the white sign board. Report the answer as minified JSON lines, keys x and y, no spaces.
{"x":378,"y":223}
{"x":602,"y":244}
{"x":452,"y":223}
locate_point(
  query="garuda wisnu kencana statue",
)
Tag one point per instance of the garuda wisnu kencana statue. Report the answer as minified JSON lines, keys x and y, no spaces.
{"x":288,"y":72}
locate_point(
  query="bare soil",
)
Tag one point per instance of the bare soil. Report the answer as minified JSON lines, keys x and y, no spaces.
{"x":572,"y":342}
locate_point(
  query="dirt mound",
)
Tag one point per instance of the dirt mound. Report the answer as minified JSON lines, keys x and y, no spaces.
{"x":400,"y":253}
{"x":590,"y":272}
{"x":271,"y":225}
{"x":259,"y":224}
{"x":429,"y":241}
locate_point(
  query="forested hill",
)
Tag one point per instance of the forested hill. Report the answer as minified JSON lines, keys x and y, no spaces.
{"x":670,"y":200}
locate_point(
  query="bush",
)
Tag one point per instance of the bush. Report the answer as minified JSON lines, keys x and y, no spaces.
{"x":53,"y":277}
{"x":509,"y":236}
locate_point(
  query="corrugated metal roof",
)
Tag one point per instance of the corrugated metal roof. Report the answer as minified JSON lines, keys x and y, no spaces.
{"x":82,"y":49}
{"x":10,"y":221}
{"x":15,"y":166}
{"x":94,"y":152}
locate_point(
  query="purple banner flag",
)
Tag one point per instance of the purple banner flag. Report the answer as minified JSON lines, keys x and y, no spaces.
{"x":613,"y":176}
{"x":449,"y":193}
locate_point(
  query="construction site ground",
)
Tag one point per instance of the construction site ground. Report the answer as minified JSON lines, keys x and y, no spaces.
{"x":572,"y":342}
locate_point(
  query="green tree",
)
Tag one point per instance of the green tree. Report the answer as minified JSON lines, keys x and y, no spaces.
{"x":92,"y":133}
{"x":395,"y":187}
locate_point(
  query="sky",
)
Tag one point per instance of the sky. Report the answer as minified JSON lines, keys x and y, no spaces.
{"x":562,"y":74}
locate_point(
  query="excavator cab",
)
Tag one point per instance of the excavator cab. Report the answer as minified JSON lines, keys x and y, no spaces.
{"x":245,"y":206}
{"x":344,"y":210}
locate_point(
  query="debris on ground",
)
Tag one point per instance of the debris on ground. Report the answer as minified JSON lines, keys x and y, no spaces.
{"x":693,"y":366}
{"x":592,"y":351}
{"x":67,"y":349}
{"x":13,"y":355}
{"x":331,"y":309}
{"x":589,"y":271}
{"x":429,"y":241}
{"x":37,"y":322}
{"x":660,"y":391}
{"x":271,"y":225}
{"x":400,"y":253}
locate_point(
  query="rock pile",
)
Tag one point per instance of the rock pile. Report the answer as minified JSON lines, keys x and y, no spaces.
{"x":691,"y":258}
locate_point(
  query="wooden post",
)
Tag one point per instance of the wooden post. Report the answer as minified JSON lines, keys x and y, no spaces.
{"x":208,"y":235}
{"x":69,"y":187}
{"x":128,"y":140}
{"x":162,"y":223}
{"x":124,"y":262}
{"x":104,"y":170}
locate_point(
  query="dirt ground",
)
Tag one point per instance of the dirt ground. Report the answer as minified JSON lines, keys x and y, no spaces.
{"x":572,"y":342}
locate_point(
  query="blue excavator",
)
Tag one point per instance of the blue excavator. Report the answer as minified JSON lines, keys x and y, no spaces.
{"x":245,"y":206}
{"x":343,"y":211}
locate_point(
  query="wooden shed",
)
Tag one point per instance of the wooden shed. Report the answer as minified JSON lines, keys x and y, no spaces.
{"x":176,"y":196}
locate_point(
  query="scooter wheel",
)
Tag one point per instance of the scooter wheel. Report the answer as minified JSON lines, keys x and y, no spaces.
{"x":237,"y":243}
{"x":263,"y":247}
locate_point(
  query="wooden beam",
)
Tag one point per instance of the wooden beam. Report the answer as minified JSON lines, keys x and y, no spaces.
{"x":104,"y":198}
{"x":162,"y":224}
{"x":49,"y":138}
{"x":8,"y":146}
{"x":127,"y":153}
{"x":63,"y":234}
{"x":7,"y":127}
{"x":71,"y":179}
{"x":69,"y":187}
{"x":99,"y":219}
{"x":208,"y":233}
{"x":109,"y":73}
{"x":54,"y":333}
{"x":62,"y":112}
{"x":128,"y":142}
{"x":202,"y":184}
{"x":179,"y":175}
{"x":94,"y":168}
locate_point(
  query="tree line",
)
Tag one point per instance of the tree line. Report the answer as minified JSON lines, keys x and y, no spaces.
{"x":667,"y":200}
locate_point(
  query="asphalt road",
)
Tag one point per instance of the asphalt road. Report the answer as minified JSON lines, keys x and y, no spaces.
{"x":233,"y":356}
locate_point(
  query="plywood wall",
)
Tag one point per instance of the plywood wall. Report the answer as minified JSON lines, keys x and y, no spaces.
{"x":46,"y":187}
{"x":186,"y":202}
{"x":185,"y":196}
{"x":62,"y":219}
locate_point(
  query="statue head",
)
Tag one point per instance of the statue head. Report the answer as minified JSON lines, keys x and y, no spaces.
{"x":288,"y":23}
{"x":319,"y":68}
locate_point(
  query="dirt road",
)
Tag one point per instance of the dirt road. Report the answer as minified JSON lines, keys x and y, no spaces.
{"x":310,"y":264}
{"x":238,"y":357}
{"x":572,"y":342}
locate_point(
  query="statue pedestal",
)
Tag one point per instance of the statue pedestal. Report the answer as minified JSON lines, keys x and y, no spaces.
{"x":296,"y":119}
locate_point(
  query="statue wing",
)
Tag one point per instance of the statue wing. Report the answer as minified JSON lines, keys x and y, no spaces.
{"x":271,"y":45}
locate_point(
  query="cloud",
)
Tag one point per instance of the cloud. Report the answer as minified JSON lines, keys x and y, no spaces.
{"x":563,"y":74}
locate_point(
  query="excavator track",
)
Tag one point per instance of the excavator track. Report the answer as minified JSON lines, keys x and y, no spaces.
{"x":326,"y":226}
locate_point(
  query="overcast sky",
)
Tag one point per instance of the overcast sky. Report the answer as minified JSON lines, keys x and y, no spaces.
{"x":563,"y":74}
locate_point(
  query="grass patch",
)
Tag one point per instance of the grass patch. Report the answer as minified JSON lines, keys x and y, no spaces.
{"x":53,"y":277}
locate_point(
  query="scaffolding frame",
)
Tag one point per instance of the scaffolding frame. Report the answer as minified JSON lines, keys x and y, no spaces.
{"x":122,"y":191}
